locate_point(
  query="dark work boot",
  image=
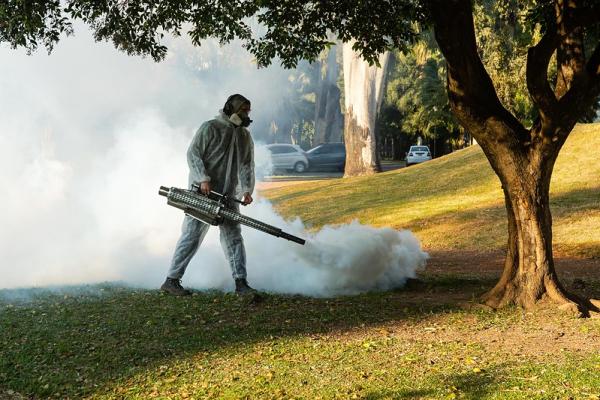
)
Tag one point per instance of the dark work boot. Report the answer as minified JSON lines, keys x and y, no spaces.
{"x":241,"y":287}
{"x":246,"y":292}
{"x":173,"y":286}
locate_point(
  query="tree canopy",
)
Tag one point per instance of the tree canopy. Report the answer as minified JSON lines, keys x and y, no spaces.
{"x":290,"y":30}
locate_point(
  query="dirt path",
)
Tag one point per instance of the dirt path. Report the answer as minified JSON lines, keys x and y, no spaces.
{"x":533,"y":334}
{"x":489,"y":265}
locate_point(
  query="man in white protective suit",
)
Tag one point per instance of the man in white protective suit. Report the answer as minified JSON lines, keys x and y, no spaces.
{"x":221,"y":159}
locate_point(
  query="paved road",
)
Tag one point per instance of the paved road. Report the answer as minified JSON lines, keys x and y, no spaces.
{"x":287,"y":176}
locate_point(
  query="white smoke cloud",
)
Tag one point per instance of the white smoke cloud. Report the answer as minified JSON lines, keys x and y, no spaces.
{"x":89,"y":134}
{"x":342,"y":259}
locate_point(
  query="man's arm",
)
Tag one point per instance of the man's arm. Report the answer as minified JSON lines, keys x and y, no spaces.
{"x":247,"y":170}
{"x":195,"y":154}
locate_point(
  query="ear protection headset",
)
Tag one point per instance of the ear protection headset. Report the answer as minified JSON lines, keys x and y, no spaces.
{"x":228,"y":107}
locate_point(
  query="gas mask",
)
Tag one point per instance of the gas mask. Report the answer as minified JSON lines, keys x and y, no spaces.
{"x":240,"y":119}
{"x":246,"y":121}
{"x":237,"y":107}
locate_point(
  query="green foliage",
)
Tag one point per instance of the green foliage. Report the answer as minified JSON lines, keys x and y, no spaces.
{"x":416,"y":103}
{"x":505,"y":30}
{"x":291,"y":30}
{"x":29,"y":23}
{"x":504,"y":33}
{"x":417,"y":90}
{"x":417,"y":87}
{"x":299,"y":29}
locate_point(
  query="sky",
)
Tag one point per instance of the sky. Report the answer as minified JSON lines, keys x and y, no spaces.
{"x":89,"y":134}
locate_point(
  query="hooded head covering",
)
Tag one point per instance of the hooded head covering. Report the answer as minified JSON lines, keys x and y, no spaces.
{"x":234,"y":103}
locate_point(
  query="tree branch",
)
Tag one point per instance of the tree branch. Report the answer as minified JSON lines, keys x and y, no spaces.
{"x":570,"y":55}
{"x":470,"y":89}
{"x":580,"y":97}
{"x":570,"y":60}
{"x":538,"y":58}
{"x":586,"y":16}
{"x":593,"y":64}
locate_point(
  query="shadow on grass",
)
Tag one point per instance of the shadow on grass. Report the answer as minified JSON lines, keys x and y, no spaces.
{"x":73,"y":345}
{"x":472,"y":385}
{"x":474,"y":223}
{"x":467,"y":385}
{"x":402,"y":394}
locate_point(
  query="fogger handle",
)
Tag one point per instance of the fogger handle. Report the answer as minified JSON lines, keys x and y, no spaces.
{"x":222,"y":197}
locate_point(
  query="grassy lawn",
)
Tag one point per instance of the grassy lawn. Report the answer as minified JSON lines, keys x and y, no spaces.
{"x":456,"y":202}
{"x":430,"y":340}
{"x":425,"y":342}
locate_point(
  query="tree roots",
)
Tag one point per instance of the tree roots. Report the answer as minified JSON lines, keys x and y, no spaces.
{"x":504,"y":294}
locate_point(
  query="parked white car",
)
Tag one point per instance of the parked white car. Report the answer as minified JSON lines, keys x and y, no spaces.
{"x":288,"y":156}
{"x":417,"y":154}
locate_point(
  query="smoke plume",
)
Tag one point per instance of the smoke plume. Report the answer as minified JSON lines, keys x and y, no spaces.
{"x":89,"y":134}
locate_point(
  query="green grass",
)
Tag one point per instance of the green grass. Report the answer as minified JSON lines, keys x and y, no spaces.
{"x":141,"y":344}
{"x":429,"y":341}
{"x":456,"y":202}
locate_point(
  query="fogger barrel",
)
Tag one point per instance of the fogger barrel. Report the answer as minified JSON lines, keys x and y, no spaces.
{"x":213,"y":212}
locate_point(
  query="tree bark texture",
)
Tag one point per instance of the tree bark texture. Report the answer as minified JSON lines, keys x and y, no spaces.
{"x":529,"y":275}
{"x":523,"y":159}
{"x":363,"y":93}
{"x":329,"y":121}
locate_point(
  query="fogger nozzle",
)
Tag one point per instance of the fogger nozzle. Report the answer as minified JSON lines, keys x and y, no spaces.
{"x":164,"y":191}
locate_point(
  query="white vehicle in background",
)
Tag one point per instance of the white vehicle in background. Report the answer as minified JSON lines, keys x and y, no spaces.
{"x":288,"y":157}
{"x":417,"y":154}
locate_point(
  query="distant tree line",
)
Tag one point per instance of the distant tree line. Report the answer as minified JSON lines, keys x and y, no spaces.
{"x":415,"y":105}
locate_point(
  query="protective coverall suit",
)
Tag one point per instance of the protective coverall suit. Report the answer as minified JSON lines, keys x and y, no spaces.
{"x":221,"y":153}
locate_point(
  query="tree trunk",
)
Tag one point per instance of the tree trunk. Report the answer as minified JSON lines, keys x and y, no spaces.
{"x":329,"y":121}
{"x":363,"y":92}
{"x":522,"y":158}
{"x":529,"y":274}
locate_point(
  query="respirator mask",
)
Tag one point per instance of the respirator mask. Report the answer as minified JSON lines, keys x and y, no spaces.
{"x":234,"y":108}
{"x":243,"y":116}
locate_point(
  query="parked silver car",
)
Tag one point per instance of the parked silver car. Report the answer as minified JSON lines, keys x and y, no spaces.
{"x":417,"y":154}
{"x":288,"y":157}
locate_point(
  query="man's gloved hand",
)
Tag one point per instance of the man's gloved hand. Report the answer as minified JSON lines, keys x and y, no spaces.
{"x":247,"y":199}
{"x":205,"y":188}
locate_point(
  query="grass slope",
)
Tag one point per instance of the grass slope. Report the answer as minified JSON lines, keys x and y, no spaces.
{"x":427,"y":341}
{"x":140,"y":344}
{"x":456,"y":202}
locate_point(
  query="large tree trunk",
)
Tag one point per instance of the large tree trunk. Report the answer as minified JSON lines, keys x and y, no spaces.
{"x":522,"y":158}
{"x":329,"y":121}
{"x":363,"y":92}
{"x":529,"y":274}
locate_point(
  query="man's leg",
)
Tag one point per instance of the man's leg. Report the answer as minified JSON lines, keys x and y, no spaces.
{"x":235,"y":252}
{"x":192,"y":234}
